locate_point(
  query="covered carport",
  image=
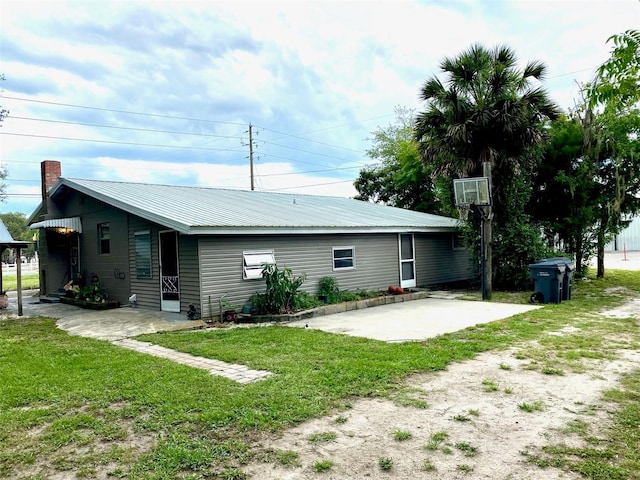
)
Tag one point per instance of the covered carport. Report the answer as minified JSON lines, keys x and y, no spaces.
{"x":6,"y":241}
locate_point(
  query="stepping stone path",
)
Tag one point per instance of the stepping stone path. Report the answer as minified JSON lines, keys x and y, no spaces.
{"x":238,"y":373}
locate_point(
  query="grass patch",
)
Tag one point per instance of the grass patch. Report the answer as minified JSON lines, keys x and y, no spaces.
{"x":286,"y":458}
{"x":428,"y":466}
{"x":323,"y":437}
{"x":465,"y":468}
{"x":402,"y":435}
{"x":385,"y":463}
{"x":323,"y":466}
{"x":29,"y":281}
{"x":536,"y":406}
{"x":468,"y":450}
{"x":461,"y":417}
{"x":73,"y":405}
{"x":489,"y":385}
{"x":436,"y":439}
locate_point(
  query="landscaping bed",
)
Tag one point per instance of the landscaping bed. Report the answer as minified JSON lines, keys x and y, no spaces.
{"x":105,"y":305}
{"x":334,"y":308}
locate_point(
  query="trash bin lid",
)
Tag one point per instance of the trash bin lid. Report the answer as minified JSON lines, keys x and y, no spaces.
{"x":544,"y":265}
{"x":570,"y":264}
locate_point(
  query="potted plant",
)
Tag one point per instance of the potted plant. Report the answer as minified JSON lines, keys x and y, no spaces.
{"x":230,"y":312}
{"x":4,"y":299}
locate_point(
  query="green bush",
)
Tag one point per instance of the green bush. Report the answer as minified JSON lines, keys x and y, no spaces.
{"x":281,"y":294}
{"x":329,"y":288}
{"x":515,"y":246}
{"x":93,"y":293}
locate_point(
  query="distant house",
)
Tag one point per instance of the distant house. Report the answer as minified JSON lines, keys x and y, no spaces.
{"x":173,"y":246}
{"x":628,"y":239}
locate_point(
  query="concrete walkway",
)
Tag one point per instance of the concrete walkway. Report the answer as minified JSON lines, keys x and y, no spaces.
{"x":118,"y":324}
{"x":238,"y":373}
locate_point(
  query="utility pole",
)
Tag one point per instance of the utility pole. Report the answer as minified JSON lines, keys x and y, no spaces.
{"x":251,"y":155}
{"x":487,"y":240}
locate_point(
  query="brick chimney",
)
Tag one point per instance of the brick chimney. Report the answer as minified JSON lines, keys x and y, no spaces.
{"x":50,"y":171}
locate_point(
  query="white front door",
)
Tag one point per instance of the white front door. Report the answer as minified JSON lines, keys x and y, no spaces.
{"x":169,"y":275}
{"x":407,"y":261}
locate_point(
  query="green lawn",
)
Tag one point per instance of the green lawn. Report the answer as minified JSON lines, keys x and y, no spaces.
{"x":29,"y":281}
{"x":82,"y":406}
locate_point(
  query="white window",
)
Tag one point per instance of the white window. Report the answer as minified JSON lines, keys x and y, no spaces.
{"x":253,"y":262}
{"x":344,"y":258}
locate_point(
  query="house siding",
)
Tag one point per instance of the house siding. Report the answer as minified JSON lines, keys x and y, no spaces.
{"x":189,"y":268}
{"x":112,"y":268}
{"x":438,"y":262}
{"x":147,"y":290}
{"x":376,"y":259}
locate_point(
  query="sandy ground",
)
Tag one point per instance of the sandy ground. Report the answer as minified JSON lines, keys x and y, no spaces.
{"x":460,"y":404}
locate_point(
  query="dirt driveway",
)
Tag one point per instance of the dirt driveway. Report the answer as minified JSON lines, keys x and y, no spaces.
{"x":481,"y":419}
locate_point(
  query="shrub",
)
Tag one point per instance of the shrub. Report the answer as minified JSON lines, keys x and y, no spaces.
{"x":282,"y":291}
{"x":93,"y":293}
{"x":329,"y":288}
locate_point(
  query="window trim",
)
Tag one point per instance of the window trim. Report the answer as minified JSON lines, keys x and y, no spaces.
{"x":352,"y":257}
{"x":148,"y":275}
{"x":253,"y":269}
{"x":104,"y":238}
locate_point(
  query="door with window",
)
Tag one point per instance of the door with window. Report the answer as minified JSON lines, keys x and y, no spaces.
{"x":407,"y":261}
{"x":169,"y":275}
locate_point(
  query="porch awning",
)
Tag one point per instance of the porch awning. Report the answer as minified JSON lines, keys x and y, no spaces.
{"x":73,"y":224}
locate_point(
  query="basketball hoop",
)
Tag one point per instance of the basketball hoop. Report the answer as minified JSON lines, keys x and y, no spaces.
{"x":463,"y":211}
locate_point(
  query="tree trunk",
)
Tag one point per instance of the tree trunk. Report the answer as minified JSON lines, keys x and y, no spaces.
{"x":600,"y":273}
{"x":600,"y":250}
{"x":579,"y":255}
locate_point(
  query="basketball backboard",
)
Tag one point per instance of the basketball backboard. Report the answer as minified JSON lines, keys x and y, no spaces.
{"x":472,"y":191}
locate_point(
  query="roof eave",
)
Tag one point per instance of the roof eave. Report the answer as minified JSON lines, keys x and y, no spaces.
{"x":160,"y":220}
{"x":313,"y":230}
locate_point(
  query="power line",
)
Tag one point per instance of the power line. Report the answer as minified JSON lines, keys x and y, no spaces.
{"x":301,"y":150}
{"x":305,"y":186}
{"x":309,"y":140}
{"x":119,"y":143}
{"x":308,"y":171}
{"x":158,"y":115}
{"x":124,"y":128}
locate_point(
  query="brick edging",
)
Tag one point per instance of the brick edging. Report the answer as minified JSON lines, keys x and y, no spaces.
{"x":339,"y":307}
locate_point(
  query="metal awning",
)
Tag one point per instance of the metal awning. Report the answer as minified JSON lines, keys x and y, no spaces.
{"x":72,"y":224}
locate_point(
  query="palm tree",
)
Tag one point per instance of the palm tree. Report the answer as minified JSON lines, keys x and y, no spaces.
{"x":487,"y":112}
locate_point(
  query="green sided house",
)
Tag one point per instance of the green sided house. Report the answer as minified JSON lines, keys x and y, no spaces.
{"x":173,"y":246}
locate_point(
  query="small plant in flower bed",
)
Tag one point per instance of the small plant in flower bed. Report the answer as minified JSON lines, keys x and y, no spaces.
{"x":329,"y":292}
{"x":93,"y":293}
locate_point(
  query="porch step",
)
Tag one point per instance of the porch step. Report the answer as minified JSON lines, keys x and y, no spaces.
{"x":53,"y":297}
{"x":50,"y":299}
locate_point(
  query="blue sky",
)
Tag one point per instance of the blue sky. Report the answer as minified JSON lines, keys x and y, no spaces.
{"x":164,"y":92}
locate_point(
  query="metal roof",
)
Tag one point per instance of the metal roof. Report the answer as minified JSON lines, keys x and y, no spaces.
{"x":72,"y":224}
{"x":6,"y":240}
{"x":199,"y":210}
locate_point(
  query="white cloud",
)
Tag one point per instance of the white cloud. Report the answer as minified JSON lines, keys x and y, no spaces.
{"x":311,"y":70}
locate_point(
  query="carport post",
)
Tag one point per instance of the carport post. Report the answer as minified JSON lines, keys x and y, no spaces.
{"x":19,"y":279}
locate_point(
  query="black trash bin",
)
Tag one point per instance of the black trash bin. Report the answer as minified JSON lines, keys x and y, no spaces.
{"x":548,"y":277}
{"x":568,"y":275}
